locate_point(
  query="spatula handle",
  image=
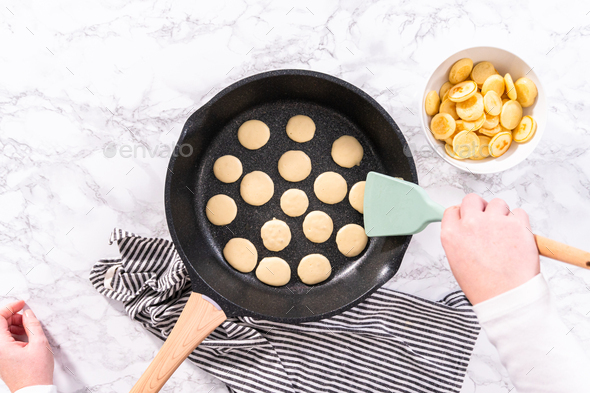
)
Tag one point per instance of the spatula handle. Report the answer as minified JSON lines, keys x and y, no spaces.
{"x":562,"y":252}
{"x":198,"y":319}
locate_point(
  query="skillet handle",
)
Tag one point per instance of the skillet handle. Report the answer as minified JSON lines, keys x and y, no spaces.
{"x":198,"y":319}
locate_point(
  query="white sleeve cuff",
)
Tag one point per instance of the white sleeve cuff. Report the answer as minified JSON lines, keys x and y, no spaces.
{"x":38,"y":389}
{"x":532,"y":341}
{"x":507,"y":302}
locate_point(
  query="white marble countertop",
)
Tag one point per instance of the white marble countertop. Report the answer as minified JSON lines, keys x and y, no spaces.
{"x":79,"y":76}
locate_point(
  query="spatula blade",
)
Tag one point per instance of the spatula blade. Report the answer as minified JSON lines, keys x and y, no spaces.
{"x":395,"y":207}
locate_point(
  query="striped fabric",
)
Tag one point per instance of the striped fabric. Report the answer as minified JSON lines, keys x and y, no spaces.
{"x":392,"y":342}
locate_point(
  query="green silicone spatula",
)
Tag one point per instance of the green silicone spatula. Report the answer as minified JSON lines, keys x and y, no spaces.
{"x":395,"y":207}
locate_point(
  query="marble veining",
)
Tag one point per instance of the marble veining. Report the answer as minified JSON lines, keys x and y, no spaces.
{"x":94,"y":95}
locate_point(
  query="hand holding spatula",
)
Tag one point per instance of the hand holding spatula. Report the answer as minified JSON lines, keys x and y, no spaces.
{"x":394,"y":207}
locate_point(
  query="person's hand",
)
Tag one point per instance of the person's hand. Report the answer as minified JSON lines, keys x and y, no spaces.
{"x":490,"y":249}
{"x":23,"y":364}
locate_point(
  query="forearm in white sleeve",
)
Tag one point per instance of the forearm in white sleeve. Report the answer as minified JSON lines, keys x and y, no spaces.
{"x":38,"y":389}
{"x":538,"y":350}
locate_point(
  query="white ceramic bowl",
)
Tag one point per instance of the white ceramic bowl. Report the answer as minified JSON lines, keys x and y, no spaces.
{"x":504,"y":61}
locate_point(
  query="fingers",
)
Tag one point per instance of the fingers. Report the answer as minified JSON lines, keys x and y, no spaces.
{"x":12,"y":308}
{"x":450,"y":219}
{"x":472,"y":203}
{"x":10,"y":318}
{"x":522,"y":216}
{"x":451,"y":215}
{"x":17,"y":319}
{"x":33,"y":328}
{"x":15,"y":325}
{"x":498,"y":207}
{"x":18,"y":330}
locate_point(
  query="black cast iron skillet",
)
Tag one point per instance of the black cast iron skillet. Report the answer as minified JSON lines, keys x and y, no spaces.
{"x":337,"y":108}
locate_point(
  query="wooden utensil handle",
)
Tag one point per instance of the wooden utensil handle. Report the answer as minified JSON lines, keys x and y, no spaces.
{"x":562,"y":252}
{"x":198,"y":319}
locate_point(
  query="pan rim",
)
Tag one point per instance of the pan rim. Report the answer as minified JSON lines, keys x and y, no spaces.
{"x":226,"y":304}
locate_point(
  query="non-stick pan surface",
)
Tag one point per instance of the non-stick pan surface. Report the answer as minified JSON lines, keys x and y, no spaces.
{"x":337,"y":109}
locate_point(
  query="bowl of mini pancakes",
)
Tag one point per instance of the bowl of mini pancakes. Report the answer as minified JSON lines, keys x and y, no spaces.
{"x":483,"y":110}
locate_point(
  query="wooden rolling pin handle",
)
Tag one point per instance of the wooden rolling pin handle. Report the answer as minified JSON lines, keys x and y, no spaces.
{"x":562,"y":252}
{"x":198,"y":319}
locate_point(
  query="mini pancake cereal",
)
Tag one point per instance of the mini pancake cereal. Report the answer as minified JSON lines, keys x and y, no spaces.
{"x":478,"y":112}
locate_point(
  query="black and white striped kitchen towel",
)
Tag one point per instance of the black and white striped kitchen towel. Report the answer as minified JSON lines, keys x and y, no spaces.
{"x":391,"y":342}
